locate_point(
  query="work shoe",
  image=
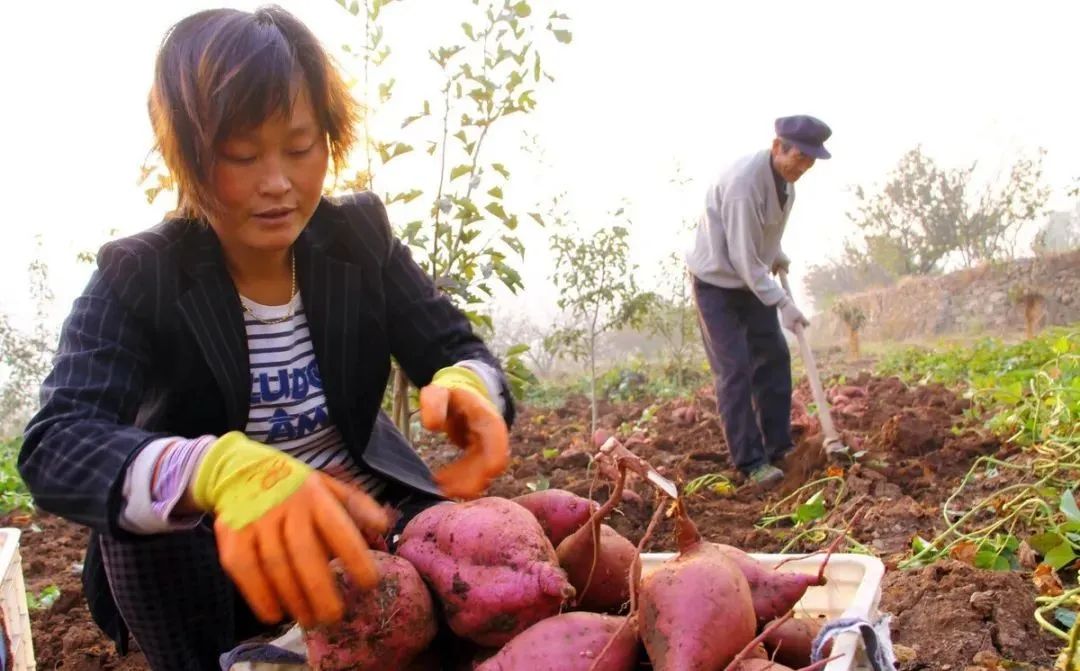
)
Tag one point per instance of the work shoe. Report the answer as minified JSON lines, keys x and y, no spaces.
{"x":766,"y":476}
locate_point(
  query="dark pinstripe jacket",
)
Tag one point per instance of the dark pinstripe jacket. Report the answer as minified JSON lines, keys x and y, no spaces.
{"x":155,"y":346}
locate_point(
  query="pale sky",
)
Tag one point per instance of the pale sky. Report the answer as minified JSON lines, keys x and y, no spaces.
{"x":643,"y":86}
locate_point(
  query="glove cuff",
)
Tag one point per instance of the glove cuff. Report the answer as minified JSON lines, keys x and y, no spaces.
{"x":240,"y":479}
{"x":459,"y":377}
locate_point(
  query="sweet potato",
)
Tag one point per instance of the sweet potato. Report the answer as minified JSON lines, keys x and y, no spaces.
{"x":384,"y":628}
{"x":597,"y":559}
{"x":695,"y":610}
{"x":775,"y":592}
{"x":757,"y":664}
{"x":490,"y":565}
{"x":792,"y":641}
{"x":599,"y":571}
{"x":559,"y":512}
{"x":577,"y":641}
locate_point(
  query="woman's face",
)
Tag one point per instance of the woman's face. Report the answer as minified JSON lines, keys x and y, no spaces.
{"x":269,"y":180}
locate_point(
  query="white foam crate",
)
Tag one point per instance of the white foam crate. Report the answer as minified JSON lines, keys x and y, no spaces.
{"x":852,"y":589}
{"x":13,"y":602}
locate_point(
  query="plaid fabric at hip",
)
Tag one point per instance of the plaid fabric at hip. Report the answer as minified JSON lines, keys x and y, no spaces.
{"x":179,"y":605}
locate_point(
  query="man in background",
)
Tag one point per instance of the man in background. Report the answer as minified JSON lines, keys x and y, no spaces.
{"x":736,"y":247}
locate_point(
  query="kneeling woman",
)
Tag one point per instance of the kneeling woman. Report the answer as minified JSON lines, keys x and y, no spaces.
{"x":229,"y":363}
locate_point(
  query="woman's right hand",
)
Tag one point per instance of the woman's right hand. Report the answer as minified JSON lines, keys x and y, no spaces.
{"x":278,"y":524}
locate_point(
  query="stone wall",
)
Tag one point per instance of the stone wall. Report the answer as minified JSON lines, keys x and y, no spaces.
{"x":979,"y":300}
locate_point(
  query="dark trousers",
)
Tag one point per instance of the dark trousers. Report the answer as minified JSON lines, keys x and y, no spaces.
{"x":177,"y":601}
{"x":751,"y":366}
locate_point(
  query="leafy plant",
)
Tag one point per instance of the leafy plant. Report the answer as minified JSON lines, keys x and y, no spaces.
{"x":459,"y":222}
{"x":44,"y":600}
{"x":716,"y":483}
{"x":13,"y":492}
{"x":854,"y":318}
{"x":597,"y":289}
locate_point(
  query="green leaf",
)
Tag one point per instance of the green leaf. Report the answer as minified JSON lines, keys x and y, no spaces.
{"x":467,"y":27}
{"x":1061,"y":346}
{"x":497,"y":210}
{"x":813,"y":509}
{"x":1069,"y":527}
{"x":460,"y":171}
{"x":1060,"y":556}
{"x":1066,"y":617}
{"x":1068,"y":506}
{"x":563,"y":36}
{"x":1043,"y":543}
{"x":354,"y":8}
{"x":550,"y":453}
{"x":411,"y":229}
{"x":536,"y":65}
{"x":385,"y":89}
{"x":536,"y":217}
{"x":920,"y":544}
{"x":495,"y":192}
{"x":522,"y":9}
{"x":990,"y":559}
{"x":501,"y":169}
{"x":406,"y":197}
{"x":517,"y":350}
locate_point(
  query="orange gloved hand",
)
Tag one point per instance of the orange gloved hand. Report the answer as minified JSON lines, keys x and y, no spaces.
{"x":456,"y":403}
{"x":278,"y":524}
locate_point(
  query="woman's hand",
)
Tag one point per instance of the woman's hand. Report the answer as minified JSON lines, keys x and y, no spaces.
{"x":279,"y":523}
{"x":456,"y":403}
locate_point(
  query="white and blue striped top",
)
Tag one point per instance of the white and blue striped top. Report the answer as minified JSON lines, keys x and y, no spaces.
{"x":288,"y":407}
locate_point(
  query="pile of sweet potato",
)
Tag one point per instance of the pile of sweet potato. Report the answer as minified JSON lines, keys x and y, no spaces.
{"x":541,"y":583}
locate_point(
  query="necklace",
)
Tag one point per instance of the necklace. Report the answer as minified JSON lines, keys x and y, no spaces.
{"x":292,"y":293}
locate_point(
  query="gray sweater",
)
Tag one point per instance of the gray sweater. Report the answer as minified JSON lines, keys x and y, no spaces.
{"x":738,"y":236}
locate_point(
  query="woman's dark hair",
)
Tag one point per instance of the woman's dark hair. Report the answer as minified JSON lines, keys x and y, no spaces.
{"x":224,"y":71}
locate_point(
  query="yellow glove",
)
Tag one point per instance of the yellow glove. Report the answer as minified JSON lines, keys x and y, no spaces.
{"x":457,"y":403}
{"x":278,"y":522}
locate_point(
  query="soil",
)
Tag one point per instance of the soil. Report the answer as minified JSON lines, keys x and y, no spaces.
{"x":64,"y":636}
{"x":913,"y":445}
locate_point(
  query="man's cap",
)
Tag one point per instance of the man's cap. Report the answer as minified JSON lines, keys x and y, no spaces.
{"x":806,"y":133}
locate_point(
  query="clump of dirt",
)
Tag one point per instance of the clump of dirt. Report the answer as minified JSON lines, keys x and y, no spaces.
{"x":949,"y":613}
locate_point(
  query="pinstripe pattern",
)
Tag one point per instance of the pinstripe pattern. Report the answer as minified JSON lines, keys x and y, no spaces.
{"x":155,"y":346}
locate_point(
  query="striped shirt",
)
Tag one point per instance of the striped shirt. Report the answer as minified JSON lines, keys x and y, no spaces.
{"x":287,"y":411}
{"x":288,"y":407}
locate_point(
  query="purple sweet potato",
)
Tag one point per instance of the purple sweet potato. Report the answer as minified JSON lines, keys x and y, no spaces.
{"x":791,"y":642}
{"x":695,"y":610}
{"x":559,"y":512}
{"x":775,"y":591}
{"x":490,"y":564}
{"x":383,"y":628}
{"x":599,"y":571}
{"x":757,"y":664}
{"x":570,"y":642}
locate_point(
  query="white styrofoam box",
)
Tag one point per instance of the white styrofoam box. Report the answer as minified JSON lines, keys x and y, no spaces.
{"x":13,"y":602}
{"x":852,"y":589}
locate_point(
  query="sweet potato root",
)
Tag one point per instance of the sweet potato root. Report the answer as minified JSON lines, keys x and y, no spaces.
{"x":603,"y":586}
{"x":695,"y":610}
{"x":384,"y":628}
{"x":775,"y":592}
{"x":559,"y":512}
{"x":570,"y":642}
{"x":490,"y":564}
{"x":791,"y":642}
